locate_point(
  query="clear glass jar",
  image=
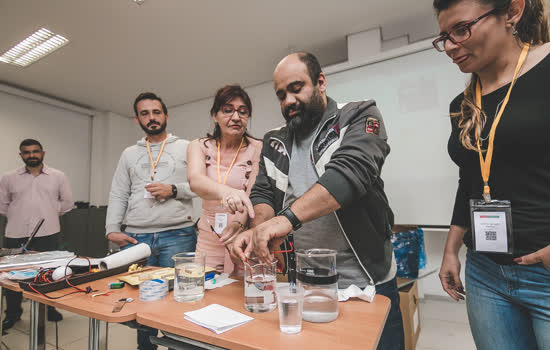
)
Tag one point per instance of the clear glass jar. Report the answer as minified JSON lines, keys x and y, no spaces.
{"x":316,"y":273}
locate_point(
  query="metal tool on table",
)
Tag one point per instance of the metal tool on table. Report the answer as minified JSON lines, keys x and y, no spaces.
{"x":120,"y":304}
{"x":15,"y":251}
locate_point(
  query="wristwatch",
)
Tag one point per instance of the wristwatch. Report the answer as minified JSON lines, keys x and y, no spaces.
{"x":174,"y":191}
{"x":286,"y":212}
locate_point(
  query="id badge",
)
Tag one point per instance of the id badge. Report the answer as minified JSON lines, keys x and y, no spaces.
{"x":147,"y":194}
{"x":492,"y":226}
{"x":220,"y":222}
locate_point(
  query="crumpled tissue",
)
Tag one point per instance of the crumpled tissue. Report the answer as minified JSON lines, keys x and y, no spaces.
{"x":355,"y":292}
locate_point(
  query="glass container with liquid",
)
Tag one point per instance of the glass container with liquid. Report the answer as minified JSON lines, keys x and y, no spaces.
{"x":316,"y":274}
{"x":259,"y":286}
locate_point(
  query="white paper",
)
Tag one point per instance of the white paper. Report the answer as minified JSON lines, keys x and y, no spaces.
{"x":218,"y":281}
{"x":217,"y":318}
{"x":490,"y":231}
{"x":126,"y":256}
{"x":416,"y":320}
{"x":355,"y":292}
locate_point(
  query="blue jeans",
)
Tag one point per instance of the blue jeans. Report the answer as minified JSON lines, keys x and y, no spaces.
{"x":508,"y":305}
{"x":392,"y":337}
{"x":163,"y":246}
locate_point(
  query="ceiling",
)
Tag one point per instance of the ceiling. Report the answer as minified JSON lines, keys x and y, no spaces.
{"x":185,"y":49}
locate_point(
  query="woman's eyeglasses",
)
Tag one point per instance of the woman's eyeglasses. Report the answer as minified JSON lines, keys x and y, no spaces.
{"x":459,"y":34}
{"x":229,"y":110}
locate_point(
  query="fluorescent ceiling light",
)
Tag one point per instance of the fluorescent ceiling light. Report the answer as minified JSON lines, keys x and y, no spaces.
{"x":41,"y":43}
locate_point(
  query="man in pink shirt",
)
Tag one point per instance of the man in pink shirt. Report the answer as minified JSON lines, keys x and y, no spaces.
{"x":28,"y":194}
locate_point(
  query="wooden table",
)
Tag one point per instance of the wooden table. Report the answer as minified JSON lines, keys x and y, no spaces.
{"x":359,"y":324}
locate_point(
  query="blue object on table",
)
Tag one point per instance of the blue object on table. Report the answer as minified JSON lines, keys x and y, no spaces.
{"x":209,"y":276}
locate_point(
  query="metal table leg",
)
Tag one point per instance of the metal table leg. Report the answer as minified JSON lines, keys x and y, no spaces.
{"x":38,"y":329}
{"x":95,"y":340}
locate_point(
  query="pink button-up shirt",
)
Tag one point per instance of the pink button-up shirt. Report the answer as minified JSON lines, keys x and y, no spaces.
{"x":25,"y":199}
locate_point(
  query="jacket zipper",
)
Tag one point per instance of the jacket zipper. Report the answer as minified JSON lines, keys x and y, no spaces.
{"x":335,"y":214}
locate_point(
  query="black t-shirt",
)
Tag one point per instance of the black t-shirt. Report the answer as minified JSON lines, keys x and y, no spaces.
{"x":520,"y":170}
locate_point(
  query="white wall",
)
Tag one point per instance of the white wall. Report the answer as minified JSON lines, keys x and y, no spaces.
{"x":111,"y":134}
{"x":64,"y":135}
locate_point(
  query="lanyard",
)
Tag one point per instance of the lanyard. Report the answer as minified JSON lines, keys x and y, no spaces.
{"x":231,"y":166}
{"x":154,"y":165}
{"x":486,"y":163}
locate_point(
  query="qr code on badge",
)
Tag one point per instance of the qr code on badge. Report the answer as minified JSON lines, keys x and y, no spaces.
{"x":490,"y":235}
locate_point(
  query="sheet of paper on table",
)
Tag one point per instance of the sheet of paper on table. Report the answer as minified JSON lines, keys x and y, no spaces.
{"x":217,"y":318}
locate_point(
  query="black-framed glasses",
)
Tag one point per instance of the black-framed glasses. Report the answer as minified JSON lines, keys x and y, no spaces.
{"x":459,"y":34}
{"x":230,"y":109}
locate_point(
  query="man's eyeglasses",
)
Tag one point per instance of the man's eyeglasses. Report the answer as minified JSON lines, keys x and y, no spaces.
{"x":459,"y":34}
{"x":229,"y":110}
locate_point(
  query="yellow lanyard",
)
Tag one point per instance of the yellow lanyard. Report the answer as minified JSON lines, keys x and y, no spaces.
{"x":231,"y":166}
{"x":486,"y":163}
{"x":154,"y":165}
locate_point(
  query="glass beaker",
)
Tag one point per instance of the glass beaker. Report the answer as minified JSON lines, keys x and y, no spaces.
{"x":316,"y":273}
{"x":189,"y":276}
{"x":259,"y":286}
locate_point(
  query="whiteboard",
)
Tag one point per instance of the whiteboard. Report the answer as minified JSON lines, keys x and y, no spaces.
{"x":64,"y":135}
{"x":413,"y":93}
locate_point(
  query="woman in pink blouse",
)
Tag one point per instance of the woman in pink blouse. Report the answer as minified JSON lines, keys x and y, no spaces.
{"x":222,"y":168}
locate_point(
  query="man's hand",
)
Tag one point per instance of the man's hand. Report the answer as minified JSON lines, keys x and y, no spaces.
{"x":234,"y":200}
{"x":239,"y":246}
{"x":121,"y":238}
{"x":268,"y":236}
{"x":160,"y":191}
{"x":540,"y":256}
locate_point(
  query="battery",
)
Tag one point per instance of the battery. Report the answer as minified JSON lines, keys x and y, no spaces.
{"x":116,"y":285}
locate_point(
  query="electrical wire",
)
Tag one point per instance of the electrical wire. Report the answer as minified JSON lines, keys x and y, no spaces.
{"x":45,"y":277}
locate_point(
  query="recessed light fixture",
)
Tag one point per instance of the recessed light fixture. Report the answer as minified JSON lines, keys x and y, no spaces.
{"x":41,"y":43}
{"x":139,"y":2}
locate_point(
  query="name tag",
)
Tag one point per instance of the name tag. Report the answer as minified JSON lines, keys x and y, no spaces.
{"x":492,"y":226}
{"x":147,"y":194}
{"x":220,"y":222}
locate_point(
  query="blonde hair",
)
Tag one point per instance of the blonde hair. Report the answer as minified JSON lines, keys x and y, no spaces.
{"x":532,"y":28}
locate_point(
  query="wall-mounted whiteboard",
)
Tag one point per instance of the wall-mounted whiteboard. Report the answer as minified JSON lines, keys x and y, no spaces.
{"x":64,"y":134}
{"x":413,"y":93}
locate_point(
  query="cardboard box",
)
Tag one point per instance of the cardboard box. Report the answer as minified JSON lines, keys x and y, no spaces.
{"x":410,"y":311}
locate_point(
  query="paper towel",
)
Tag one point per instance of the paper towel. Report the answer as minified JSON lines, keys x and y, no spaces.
{"x":125,"y":257}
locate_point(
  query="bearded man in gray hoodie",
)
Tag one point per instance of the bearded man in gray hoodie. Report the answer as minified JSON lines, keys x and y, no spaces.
{"x":150,"y":193}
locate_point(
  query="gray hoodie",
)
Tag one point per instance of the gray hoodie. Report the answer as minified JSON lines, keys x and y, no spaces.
{"x":126,"y":199}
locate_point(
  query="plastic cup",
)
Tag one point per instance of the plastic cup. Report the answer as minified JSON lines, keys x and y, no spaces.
{"x":290,"y":301}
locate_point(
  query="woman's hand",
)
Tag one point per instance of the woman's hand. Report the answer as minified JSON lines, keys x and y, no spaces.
{"x":234,"y":200}
{"x":540,"y":256}
{"x":231,"y":231}
{"x":449,"y":274}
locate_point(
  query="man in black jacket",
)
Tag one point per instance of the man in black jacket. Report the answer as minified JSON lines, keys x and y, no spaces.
{"x":321,"y":174}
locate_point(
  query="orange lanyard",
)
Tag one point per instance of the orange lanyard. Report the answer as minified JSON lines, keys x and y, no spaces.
{"x":486,"y":163}
{"x":231,"y":166}
{"x":154,"y":164}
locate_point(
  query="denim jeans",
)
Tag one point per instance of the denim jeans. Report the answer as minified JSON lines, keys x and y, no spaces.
{"x":392,"y":337}
{"x":163,"y":246}
{"x":508,"y":305}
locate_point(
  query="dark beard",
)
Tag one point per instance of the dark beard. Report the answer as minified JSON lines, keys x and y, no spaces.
{"x":33,"y":162}
{"x":156,"y":131}
{"x":308,"y":117}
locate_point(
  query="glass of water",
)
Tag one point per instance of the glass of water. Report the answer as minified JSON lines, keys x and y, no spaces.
{"x":189,"y":276}
{"x":290,"y":300}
